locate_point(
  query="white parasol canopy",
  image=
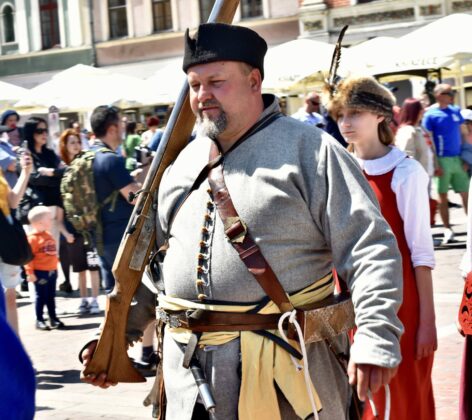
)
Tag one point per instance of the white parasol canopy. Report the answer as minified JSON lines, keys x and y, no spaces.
{"x":442,"y":43}
{"x":9,"y":94}
{"x":165,"y":83}
{"x":296,"y":64}
{"x":82,"y":88}
{"x":364,"y":57}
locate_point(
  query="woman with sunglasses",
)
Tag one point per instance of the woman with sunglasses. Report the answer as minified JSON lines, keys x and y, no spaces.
{"x":363,"y":109}
{"x":45,"y":181}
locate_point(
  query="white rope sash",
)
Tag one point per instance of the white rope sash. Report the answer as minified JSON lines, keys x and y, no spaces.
{"x":293,"y":320}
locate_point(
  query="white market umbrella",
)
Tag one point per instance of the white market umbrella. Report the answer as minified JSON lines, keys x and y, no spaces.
{"x":107,"y":89}
{"x":446,"y":37}
{"x":442,"y":43}
{"x":82,"y":88}
{"x":78,"y":71}
{"x":292,"y":65}
{"x":9,"y":94}
{"x":363,"y":58}
{"x":165,"y":83}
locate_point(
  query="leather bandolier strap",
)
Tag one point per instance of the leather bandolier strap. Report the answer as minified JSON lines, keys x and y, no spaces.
{"x":240,"y":238}
{"x":238,"y":234}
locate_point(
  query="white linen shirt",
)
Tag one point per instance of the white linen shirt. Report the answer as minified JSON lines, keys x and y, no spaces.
{"x":410,"y":185}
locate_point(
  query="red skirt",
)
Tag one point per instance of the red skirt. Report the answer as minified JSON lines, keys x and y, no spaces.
{"x":411,"y":390}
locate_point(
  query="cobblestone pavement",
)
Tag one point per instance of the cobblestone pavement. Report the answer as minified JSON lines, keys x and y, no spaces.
{"x":60,"y":394}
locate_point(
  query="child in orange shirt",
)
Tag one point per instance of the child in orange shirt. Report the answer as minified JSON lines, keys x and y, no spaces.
{"x":42,"y":270}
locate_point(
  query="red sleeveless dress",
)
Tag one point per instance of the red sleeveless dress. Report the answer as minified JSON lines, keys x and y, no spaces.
{"x":411,"y":389}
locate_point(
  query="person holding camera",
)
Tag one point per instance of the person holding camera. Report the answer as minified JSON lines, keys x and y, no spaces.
{"x":9,"y":199}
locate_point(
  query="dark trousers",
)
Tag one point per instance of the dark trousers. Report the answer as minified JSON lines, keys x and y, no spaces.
{"x":45,"y":286}
{"x":199,"y":412}
{"x":106,"y":264}
{"x":65,"y":259}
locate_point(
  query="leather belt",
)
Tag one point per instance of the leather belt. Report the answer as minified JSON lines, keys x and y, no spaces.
{"x":319,"y":321}
{"x":211,"y":321}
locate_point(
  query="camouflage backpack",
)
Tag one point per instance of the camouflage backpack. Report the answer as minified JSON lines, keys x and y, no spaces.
{"x":80,"y":199}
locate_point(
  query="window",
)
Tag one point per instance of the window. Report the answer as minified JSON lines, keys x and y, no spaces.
{"x":49,"y":24}
{"x":251,"y":8}
{"x":8,"y":20}
{"x":118,"y":19}
{"x":205,"y":9}
{"x":162,"y":15}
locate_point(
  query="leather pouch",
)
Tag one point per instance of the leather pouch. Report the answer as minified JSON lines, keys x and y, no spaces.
{"x":327,"y":318}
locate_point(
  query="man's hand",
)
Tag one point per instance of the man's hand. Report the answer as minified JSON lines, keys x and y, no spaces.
{"x":31,"y":278}
{"x":95,"y":380}
{"x":369,"y":377}
{"x":438,"y":171}
{"x":426,"y":340}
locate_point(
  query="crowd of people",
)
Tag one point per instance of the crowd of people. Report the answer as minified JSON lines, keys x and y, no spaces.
{"x":399,"y":158}
{"x":31,"y":172}
{"x":39,"y":187}
{"x":437,"y":135}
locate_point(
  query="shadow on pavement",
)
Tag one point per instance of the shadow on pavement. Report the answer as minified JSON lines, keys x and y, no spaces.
{"x":55,"y":379}
{"x":21,"y":303}
{"x":440,"y":234}
{"x":90,"y":326}
{"x":451,"y":245}
{"x":43,"y":408}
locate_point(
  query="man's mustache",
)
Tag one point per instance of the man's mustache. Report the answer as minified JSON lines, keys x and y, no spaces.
{"x":209,"y":103}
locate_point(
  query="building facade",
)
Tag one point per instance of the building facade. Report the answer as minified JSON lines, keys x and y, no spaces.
{"x":50,"y":35}
{"x":42,"y":35}
{"x":324,"y":19}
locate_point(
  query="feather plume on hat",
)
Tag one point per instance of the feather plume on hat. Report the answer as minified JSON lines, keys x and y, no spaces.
{"x":363,"y":93}
{"x":333,"y":79}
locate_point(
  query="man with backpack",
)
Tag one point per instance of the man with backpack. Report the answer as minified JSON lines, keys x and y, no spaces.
{"x":113,"y":184}
{"x":95,"y":190}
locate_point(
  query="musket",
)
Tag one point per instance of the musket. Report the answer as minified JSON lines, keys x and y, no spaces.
{"x":139,"y":240}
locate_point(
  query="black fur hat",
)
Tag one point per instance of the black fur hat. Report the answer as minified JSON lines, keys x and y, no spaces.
{"x":222,"y":42}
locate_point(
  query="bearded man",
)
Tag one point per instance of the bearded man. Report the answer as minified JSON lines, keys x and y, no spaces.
{"x":305,"y":205}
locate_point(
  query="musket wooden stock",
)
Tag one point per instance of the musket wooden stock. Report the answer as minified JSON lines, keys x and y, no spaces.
{"x":138,"y":241}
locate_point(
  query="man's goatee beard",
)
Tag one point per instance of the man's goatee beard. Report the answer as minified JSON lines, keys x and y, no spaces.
{"x":211,"y":128}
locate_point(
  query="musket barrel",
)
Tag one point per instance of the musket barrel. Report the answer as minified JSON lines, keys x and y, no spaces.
{"x":110,"y":355}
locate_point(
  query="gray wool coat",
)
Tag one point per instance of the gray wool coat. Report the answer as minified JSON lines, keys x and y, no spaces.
{"x":309,"y":208}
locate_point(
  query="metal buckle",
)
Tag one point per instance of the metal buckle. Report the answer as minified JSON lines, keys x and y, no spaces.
{"x":235,"y":229}
{"x":172,"y":320}
{"x":162,"y":315}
